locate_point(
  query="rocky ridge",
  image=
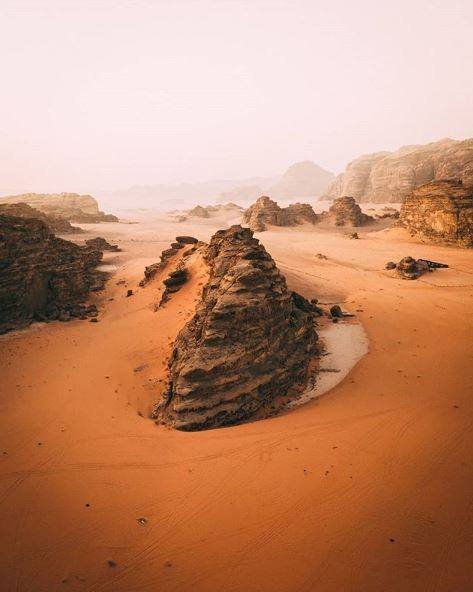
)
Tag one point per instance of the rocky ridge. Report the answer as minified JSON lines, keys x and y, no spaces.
{"x":385,"y":177}
{"x":54,"y":223}
{"x":441,"y":211}
{"x":43,"y":277}
{"x":250,"y":341}
{"x":266,"y":211}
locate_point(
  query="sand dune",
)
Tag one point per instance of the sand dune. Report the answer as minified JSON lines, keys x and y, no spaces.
{"x":367,"y":488}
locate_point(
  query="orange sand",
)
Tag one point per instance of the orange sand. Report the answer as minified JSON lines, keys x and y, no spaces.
{"x":368,"y":488}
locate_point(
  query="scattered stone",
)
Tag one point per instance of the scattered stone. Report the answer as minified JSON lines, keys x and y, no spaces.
{"x":129,"y":293}
{"x":111,"y":563}
{"x":354,"y":235}
{"x":94,"y":320}
{"x":142,"y":521}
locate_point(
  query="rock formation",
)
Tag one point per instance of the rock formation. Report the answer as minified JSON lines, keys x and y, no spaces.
{"x":54,"y":223}
{"x":181,"y":242}
{"x":391,"y":176}
{"x":249,"y":342}
{"x":266,"y":211}
{"x":302,"y":179}
{"x":100,"y":244}
{"x":43,"y":277}
{"x":199,"y":212}
{"x":346,"y":212}
{"x":409,"y":268}
{"x":70,"y":206}
{"x":441,"y":211}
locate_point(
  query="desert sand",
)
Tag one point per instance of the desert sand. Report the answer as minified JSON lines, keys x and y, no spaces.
{"x":367,"y":488}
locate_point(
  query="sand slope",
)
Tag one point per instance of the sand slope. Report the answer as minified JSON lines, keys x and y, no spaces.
{"x":368,"y":488}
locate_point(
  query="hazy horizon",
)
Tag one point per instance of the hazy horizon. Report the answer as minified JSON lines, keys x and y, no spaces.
{"x":104,"y":95}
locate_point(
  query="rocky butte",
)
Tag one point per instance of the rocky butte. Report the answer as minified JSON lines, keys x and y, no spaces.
{"x":344,"y":211}
{"x":249,"y":342}
{"x":441,"y":211}
{"x":43,"y":277}
{"x":54,"y":223}
{"x":70,"y":206}
{"x":266,"y":211}
{"x":385,"y":177}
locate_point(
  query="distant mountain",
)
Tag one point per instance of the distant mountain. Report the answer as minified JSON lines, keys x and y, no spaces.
{"x":384,"y":177}
{"x":302,"y":179}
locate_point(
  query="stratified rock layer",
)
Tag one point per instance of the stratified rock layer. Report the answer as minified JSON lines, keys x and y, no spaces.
{"x":70,"y":206}
{"x":346,"y":212}
{"x":441,"y":211}
{"x":54,"y":223}
{"x":41,"y":276}
{"x":266,"y":211}
{"x":391,"y":176}
{"x":250,"y":340}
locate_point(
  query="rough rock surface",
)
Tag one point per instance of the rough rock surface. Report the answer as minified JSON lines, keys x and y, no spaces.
{"x":42,"y":276}
{"x":153,"y":269}
{"x":266,"y":211}
{"x":249,"y":342}
{"x":54,"y":223}
{"x":391,"y":176}
{"x":441,"y":211}
{"x":346,"y":212}
{"x":100,"y":244}
{"x":70,"y":206}
{"x":302,"y":179}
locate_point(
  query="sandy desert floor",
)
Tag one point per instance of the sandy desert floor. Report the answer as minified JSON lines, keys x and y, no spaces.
{"x":368,"y":488}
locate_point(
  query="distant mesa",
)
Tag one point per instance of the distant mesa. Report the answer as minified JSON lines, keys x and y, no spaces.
{"x":440,"y":211}
{"x":302,"y":179}
{"x":344,"y":211}
{"x":43,"y":277}
{"x":390,"y":177}
{"x":69,"y":206}
{"x":265,"y":212}
{"x":55,"y":224}
{"x":248,"y":345}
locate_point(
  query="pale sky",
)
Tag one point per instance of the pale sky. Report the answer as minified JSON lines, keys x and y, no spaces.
{"x":109,"y":93}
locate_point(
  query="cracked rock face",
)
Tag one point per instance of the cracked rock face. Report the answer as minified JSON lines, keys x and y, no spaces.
{"x":346,"y":212}
{"x":249,"y":342}
{"x":266,"y":211}
{"x":441,"y":211}
{"x":42,"y":277}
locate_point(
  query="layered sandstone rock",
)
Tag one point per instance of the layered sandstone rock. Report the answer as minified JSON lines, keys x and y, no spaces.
{"x":100,"y":244}
{"x":54,"y":223}
{"x":266,"y":211}
{"x":440,"y":211}
{"x":70,"y":206}
{"x":43,"y":277}
{"x":391,"y":176}
{"x":154,"y":268}
{"x":249,"y":342}
{"x":346,"y":212}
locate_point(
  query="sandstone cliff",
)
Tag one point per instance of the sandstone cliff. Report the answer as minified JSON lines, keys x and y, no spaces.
{"x":441,"y":211}
{"x":70,"y":206}
{"x":42,"y":277}
{"x":249,"y":342}
{"x":266,"y":211}
{"x":391,"y":176}
{"x":54,"y":223}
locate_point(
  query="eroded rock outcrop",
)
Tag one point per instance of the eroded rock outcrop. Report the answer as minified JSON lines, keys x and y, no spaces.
{"x":54,"y":223}
{"x":249,"y":342}
{"x":346,"y":212}
{"x":70,"y":206}
{"x":43,"y":277}
{"x":409,"y":268}
{"x":100,"y":244}
{"x":266,"y":211}
{"x":154,"y":268}
{"x":391,"y":176}
{"x":441,"y":211}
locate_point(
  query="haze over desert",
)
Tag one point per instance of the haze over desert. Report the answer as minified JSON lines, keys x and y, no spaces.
{"x":235,"y":313}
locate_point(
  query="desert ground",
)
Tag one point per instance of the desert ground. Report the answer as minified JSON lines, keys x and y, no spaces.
{"x":368,"y":488}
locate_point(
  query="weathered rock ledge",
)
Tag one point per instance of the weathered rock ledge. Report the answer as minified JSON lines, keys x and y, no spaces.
{"x":250,"y":341}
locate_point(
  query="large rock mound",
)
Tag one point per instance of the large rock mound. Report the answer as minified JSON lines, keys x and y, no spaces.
{"x":391,"y":176}
{"x":70,"y":206}
{"x":54,"y":223}
{"x":302,"y":179}
{"x":249,"y":342}
{"x":346,"y":212}
{"x":441,"y":211}
{"x":41,"y":276}
{"x":266,"y":211}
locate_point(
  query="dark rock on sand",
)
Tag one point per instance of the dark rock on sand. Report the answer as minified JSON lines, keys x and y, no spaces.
{"x":101,"y":244}
{"x":54,"y":223}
